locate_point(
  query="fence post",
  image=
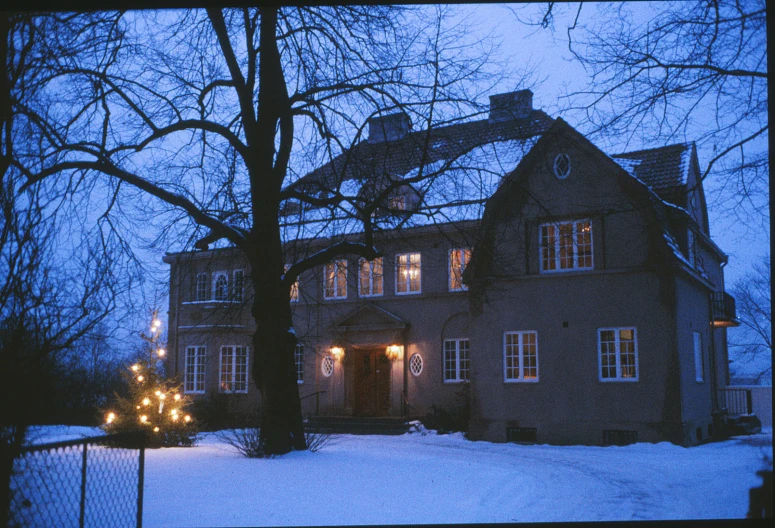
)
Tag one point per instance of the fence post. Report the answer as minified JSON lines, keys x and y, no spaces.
{"x":140,"y":479}
{"x":82,"y":515}
{"x":748,"y":402}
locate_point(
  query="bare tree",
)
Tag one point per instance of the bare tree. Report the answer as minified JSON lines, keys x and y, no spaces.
{"x":695,"y":71}
{"x":217,"y":115}
{"x":752,"y":342}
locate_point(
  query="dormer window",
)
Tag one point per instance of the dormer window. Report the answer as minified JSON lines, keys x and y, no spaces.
{"x":397,"y":203}
{"x":566,"y":246}
{"x":202,"y":287}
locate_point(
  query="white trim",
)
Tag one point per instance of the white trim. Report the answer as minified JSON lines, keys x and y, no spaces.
{"x":196,"y":287}
{"x":617,"y":352}
{"x":409,"y":280}
{"x":212,"y":301}
{"x":197,"y":349}
{"x":371,"y":277}
{"x":575,"y":267}
{"x":463,"y":287}
{"x":520,"y":357}
{"x":412,"y":362}
{"x":337,"y":264}
{"x":296,"y":364}
{"x":556,"y":161}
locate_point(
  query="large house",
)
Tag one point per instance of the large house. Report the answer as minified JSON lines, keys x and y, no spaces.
{"x":570,"y":296}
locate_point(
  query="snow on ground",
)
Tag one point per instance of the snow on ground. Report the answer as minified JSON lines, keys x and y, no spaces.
{"x":414,"y":479}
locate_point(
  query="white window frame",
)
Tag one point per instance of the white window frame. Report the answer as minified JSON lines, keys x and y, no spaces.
{"x":231,"y":376}
{"x":327,"y":366}
{"x":201,"y":293}
{"x":699,"y":358}
{"x":238,"y":295}
{"x":519,"y":356}
{"x":557,"y":259}
{"x":465,"y":257}
{"x":216,"y":275}
{"x":458,"y":360}
{"x":195,"y":378}
{"x":298,"y":359}
{"x":618,"y":354}
{"x":337,"y":264}
{"x":408,"y":266}
{"x":371,"y":277}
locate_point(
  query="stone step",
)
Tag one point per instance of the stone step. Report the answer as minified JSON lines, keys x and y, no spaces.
{"x":356,"y":425}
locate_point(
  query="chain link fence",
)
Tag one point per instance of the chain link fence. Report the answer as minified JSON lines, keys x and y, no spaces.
{"x":93,"y":482}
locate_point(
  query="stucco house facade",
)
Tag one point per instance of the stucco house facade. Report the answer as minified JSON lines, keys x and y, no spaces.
{"x":571,"y":297}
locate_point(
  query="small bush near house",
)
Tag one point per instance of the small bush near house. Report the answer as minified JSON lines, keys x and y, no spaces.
{"x":316,"y":441}
{"x":245,"y":440}
{"x":446,"y":420}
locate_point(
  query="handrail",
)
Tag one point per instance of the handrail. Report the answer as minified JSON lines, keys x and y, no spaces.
{"x":312,"y":394}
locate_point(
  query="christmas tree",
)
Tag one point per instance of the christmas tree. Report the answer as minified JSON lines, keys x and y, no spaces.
{"x":156,"y":406}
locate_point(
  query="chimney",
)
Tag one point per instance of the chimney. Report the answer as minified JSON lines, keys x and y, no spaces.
{"x":389,"y":127}
{"x":511,"y":105}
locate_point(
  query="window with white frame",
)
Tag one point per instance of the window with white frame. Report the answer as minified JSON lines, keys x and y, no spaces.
{"x":370,"y":279}
{"x":238,"y":286}
{"x":195,"y":369}
{"x":298,"y":357}
{"x":456,"y":360}
{"x":294,"y":286}
{"x":234,"y":369}
{"x":618,"y":354}
{"x":335,"y":280}
{"x":397,"y":202}
{"x":408,"y":273}
{"x":220,"y":286}
{"x":520,"y":356}
{"x":566,"y":245}
{"x":202,"y":287}
{"x":458,"y":260}
{"x":699,"y":358}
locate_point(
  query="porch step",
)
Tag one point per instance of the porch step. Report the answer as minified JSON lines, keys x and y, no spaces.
{"x":742,"y":424}
{"x":356,"y":425}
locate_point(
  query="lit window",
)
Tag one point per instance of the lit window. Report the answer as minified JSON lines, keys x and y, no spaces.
{"x":566,"y":246}
{"x":298,"y":357}
{"x":408,"y":273}
{"x":294,"y":286}
{"x":202,"y":287}
{"x":237,"y":285}
{"x":520,"y":356}
{"x":397,"y":203}
{"x":456,"y":360}
{"x":370,"y":277}
{"x":221,"y":286}
{"x":234,"y":369}
{"x":335,"y":286}
{"x":458,"y":260}
{"x":618,"y":354}
{"x":195,"y":369}
{"x":699,"y":358}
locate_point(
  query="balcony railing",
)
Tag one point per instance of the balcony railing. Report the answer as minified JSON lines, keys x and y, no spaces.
{"x":724,"y":312}
{"x":735,"y":401}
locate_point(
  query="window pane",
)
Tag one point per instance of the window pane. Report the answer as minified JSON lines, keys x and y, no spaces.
{"x":584,"y":244}
{"x":364,"y":276}
{"x":627,"y":353}
{"x":237,"y":285}
{"x":450,"y":361}
{"x":202,"y":287}
{"x":607,"y":354}
{"x":529,"y":356}
{"x":548,"y":254}
{"x":376,"y":281}
{"x":512,"y":356}
{"x":298,"y":356}
{"x":414,"y":272}
{"x":241,"y":369}
{"x":464,"y":346}
{"x":402,"y":273}
{"x":566,"y":246}
{"x":227,"y":367}
{"x":341,"y":278}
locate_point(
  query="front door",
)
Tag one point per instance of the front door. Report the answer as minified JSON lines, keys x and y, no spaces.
{"x":372,"y":383}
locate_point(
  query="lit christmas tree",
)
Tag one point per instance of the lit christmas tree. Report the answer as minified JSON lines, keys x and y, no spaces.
{"x":155,"y":405}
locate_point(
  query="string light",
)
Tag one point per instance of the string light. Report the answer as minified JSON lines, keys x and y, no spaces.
{"x":143,"y":418}
{"x":111,"y":417}
{"x":177,"y":397}
{"x":140,"y":378}
{"x":161,"y":352}
{"x":162,"y":396}
{"x":158,"y":393}
{"x":135,"y":367}
{"x":146,"y":401}
{"x":187,"y":418}
{"x":155,"y":429}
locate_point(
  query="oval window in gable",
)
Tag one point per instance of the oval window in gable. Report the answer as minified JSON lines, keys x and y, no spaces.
{"x":562,"y":166}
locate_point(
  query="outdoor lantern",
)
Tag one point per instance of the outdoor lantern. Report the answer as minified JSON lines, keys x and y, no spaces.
{"x":393,"y":352}
{"x":337,"y":352}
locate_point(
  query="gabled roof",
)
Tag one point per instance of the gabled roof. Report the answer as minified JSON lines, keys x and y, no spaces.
{"x":664,"y":169}
{"x":398,"y":157}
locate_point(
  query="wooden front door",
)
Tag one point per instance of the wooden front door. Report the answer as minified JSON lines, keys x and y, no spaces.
{"x":372,"y":383}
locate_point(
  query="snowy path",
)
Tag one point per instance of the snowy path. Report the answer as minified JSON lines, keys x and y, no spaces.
{"x":414,"y":479}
